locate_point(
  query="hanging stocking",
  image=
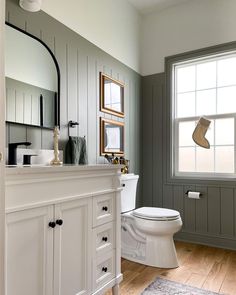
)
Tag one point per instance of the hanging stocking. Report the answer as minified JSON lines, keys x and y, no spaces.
{"x":200,"y":131}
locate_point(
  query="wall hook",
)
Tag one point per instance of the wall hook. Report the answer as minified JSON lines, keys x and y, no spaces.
{"x":72,"y":124}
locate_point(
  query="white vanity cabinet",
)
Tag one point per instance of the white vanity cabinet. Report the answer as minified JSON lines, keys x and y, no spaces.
{"x":29,"y":252}
{"x":63,"y":230}
{"x":72,"y":247}
{"x":48,"y":249}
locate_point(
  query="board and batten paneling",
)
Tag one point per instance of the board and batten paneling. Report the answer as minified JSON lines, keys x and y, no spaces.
{"x":80,"y":63}
{"x":210,"y":220}
{"x":23,"y":103}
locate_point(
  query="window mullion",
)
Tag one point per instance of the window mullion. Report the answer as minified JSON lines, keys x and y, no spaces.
{"x":175,"y":128}
{"x":210,"y":117}
{"x":176,"y":148}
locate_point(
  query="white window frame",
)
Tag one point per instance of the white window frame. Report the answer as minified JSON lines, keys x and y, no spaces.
{"x":175,"y":124}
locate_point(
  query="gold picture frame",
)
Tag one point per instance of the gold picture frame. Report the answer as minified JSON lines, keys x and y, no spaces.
{"x":111,"y":96}
{"x":111,"y":137}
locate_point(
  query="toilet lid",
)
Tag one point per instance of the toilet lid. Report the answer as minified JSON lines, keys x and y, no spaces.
{"x":154,"y":213}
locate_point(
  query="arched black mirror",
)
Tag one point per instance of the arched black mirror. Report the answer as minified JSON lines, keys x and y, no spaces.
{"x":32,"y":80}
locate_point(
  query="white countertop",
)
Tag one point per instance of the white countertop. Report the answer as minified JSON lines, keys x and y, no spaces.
{"x":32,"y":169}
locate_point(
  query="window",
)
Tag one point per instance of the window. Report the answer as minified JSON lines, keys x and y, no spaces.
{"x":204,"y":87}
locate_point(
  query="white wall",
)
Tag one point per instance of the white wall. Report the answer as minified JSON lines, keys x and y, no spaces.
{"x":191,"y":25}
{"x":112,"y":25}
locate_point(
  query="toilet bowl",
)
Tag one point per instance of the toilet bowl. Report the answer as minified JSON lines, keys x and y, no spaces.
{"x":147,"y":232}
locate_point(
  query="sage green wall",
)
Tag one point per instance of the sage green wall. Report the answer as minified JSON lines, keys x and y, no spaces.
{"x":210,"y":220}
{"x":80,"y":63}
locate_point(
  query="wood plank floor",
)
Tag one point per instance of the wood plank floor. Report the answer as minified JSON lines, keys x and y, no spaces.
{"x":204,"y":267}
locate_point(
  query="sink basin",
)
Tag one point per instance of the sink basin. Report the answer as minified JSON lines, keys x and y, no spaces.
{"x":42,"y":159}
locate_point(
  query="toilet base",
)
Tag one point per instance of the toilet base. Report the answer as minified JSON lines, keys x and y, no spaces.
{"x":148,"y":249}
{"x":159,"y":253}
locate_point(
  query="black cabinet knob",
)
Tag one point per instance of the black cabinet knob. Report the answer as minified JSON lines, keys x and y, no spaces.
{"x":104,"y":239}
{"x":104,"y":269}
{"x":59,"y":222}
{"x":52,"y":224}
{"x":104,"y":208}
{"x":123,"y":184}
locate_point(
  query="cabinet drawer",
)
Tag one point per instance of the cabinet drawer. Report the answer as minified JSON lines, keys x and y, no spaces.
{"x":103,"y":209}
{"x":103,"y":238}
{"x":103,"y":269}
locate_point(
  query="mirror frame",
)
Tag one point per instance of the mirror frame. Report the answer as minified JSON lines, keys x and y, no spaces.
{"x":105,"y":109}
{"x":57,"y":98}
{"x":102,"y":133}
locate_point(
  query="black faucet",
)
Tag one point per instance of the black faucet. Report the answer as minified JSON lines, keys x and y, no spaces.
{"x":12,"y":154}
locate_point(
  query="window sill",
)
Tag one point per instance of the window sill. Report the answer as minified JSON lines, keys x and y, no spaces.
{"x":202,"y":179}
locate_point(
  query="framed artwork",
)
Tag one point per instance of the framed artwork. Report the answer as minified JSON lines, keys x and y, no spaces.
{"x":111,"y":96}
{"x":111,"y":137}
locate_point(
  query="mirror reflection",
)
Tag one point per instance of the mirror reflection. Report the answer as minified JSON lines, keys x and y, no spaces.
{"x":112,"y":137}
{"x":31,"y":81}
{"x":112,"y":96}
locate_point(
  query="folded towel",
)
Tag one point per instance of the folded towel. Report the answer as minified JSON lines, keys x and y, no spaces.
{"x":75,"y":151}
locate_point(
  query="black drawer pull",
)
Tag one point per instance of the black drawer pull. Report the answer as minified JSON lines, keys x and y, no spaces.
{"x":59,"y":222}
{"x":104,"y":239}
{"x":104,"y":269}
{"x":104,"y":208}
{"x":123,"y":184}
{"x":52,"y":224}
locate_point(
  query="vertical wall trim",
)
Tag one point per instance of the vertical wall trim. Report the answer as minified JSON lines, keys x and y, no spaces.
{"x":96,"y":74}
{"x":77,"y":92}
{"x":207,"y":211}
{"x":54,"y":45}
{"x":220,"y":217}
{"x":234,"y":217}
{"x":87,"y":96}
{"x":136,"y":114}
{"x":67,"y":88}
{"x":23,"y":105}
{"x":152,"y":153}
{"x":161,"y":145}
{"x":77,"y":89}
{"x":15,"y":105}
{"x":129,"y":125}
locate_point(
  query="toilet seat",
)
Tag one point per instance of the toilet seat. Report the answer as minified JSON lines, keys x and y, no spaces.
{"x":158,"y":214}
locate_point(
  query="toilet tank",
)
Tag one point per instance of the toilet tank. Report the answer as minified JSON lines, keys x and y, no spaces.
{"x":128,"y":194}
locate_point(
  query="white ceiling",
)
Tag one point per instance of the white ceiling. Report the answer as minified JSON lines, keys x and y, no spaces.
{"x":147,"y":6}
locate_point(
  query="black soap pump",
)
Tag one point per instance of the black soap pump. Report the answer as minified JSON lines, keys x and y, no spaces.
{"x":27,"y":159}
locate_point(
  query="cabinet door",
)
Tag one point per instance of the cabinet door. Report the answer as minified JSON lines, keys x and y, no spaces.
{"x":29,"y":252}
{"x":73,"y":244}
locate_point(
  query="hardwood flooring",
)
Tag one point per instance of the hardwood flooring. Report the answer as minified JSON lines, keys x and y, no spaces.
{"x":201,"y":266}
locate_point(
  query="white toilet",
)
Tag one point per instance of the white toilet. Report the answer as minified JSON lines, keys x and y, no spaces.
{"x":147,"y":232}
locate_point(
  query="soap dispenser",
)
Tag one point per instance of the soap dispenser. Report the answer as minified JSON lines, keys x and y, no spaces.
{"x":27,"y":159}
